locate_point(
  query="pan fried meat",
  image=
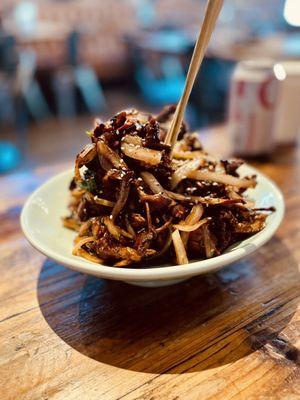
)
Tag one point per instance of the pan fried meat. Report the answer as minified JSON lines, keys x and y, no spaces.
{"x":131,"y":202}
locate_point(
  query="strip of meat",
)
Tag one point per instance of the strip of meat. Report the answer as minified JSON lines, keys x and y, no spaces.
{"x":156,"y":201}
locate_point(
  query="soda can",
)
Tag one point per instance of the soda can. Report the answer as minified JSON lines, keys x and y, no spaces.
{"x":287,"y":126}
{"x":252,"y":105}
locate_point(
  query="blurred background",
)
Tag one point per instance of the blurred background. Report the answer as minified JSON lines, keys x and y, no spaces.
{"x":63,"y":62}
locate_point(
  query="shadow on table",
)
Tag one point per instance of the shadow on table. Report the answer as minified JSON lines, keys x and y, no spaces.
{"x":200,"y":324}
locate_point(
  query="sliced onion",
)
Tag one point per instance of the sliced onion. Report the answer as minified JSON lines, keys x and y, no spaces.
{"x":149,"y":156}
{"x":114,"y":158}
{"x":77,"y":192}
{"x":152,"y":182}
{"x":82,"y":242}
{"x":130,"y":139}
{"x":199,"y":199}
{"x":190,"y":228}
{"x":156,"y":188}
{"x":233,"y":195}
{"x":193,"y":217}
{"x":122,"y":263}
{"x":166,"y":246}
{"x":115,"y":230}
{"x":202,"y":175}
{"x":184,"y":171}
{"x":85,"y":227}
{"x":129,"y":227}
{"x":90,"y":257}
{"x":249,"y":204}
{"x":195,"y":214}
{"x":103,"y":202}
{"x":180,"y":251}
{"x":96,"y":227}
{"x":88,"y":153}
{"x":209,"y":244}
{"x":192,"y":155}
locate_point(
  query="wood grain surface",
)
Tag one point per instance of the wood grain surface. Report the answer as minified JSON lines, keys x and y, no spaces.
{"x":234,"y":334}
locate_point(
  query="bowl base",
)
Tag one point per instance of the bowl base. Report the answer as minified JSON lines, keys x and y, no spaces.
{"x":154,"y":284}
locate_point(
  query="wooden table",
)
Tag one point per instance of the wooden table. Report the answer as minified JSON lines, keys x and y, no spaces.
{"x":234,"y":334}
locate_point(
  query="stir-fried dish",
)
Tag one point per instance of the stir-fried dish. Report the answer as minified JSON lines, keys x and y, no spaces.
{"x":134,"y":200}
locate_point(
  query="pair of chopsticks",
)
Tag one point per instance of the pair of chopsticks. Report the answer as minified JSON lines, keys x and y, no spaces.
{"x":212,"y":12}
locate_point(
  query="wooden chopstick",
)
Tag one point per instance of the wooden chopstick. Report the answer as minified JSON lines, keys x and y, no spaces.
{"x":212,"y":11}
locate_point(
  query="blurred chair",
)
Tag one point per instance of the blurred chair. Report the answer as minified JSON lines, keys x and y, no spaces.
{"x":29,"y":87}
{"x":75,"y":75}
{"x":65,"y":92}
{"x":90,"y":89}
{"x":26,"y":84}
{"x":18,"y":79}
{"x":6,"y":100}
{"x":20,"y":95}
{"x":8,"y":66}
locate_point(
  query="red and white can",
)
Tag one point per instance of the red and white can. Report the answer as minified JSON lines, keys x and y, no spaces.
{"x":252,"y":101}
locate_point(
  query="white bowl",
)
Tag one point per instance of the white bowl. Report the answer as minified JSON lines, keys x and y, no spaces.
{"x":42,"y":226}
